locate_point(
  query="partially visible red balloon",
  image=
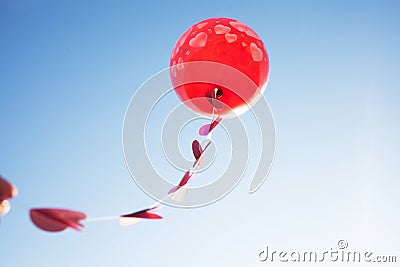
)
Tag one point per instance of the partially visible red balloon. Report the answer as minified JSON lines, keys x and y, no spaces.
{"x":225,"y":41}
{"x":7,"y":191}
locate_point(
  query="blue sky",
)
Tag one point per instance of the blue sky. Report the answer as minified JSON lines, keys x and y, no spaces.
{"x":69,"y":68}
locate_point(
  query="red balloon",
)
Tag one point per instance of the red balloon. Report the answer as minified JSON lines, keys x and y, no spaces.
{"x":229,"y":42}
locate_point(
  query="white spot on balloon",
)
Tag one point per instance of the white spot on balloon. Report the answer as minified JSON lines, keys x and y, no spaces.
{"x":252,"y":33}
{"x":221,"y":29}
{"x":187,"y":52}
{"x":199,"y":40}
{"x":201,"y":25}
{"x":184,"y":36}
{"x":173,"y":68}
{"x":180,"y":66}
{"x":244,"y":44}
{"x":230,"y":38}
{"x":238,"y":26}
{"x":256,"y":53}
{"x":244,"y":28}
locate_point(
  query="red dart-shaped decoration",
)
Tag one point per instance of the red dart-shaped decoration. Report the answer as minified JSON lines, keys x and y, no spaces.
{"x":206,"y":129}
{"x":183,"y":182}
{"x":143,"y":214}
{"x":131,"y":218}
{"x":197,"y":150}
{"x":56,"y":220}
